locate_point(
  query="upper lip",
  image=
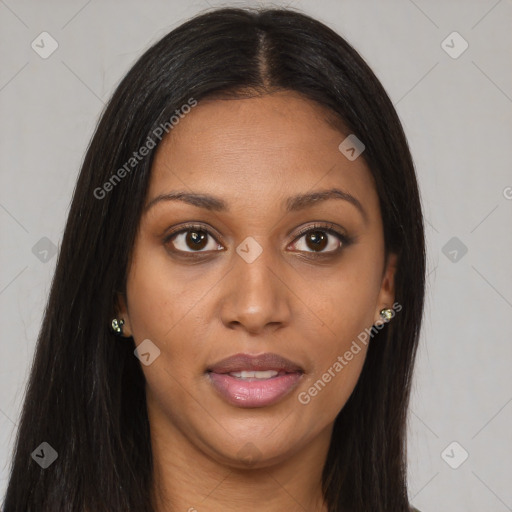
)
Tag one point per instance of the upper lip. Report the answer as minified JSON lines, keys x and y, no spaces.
{"x":267,"y":361}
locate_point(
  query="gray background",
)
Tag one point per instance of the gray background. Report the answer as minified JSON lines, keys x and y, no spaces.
{"x":457,"y":114}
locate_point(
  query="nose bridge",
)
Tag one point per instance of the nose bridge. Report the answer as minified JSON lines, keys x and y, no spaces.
{"x":256,"y":295}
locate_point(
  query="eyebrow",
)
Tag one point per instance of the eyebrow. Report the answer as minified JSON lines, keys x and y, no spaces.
{"x":293,"y":203}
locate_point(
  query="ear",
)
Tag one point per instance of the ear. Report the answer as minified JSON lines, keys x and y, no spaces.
{"x":122,"y":313}
{"x":386,"y":296}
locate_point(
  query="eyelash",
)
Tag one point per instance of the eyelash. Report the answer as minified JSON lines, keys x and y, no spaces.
{"x":344,"y":239}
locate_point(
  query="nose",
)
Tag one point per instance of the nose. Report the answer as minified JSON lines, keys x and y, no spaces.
{"x":257,"y":295}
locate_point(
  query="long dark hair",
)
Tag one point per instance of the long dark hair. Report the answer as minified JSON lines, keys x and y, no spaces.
{"x":85,"y":395}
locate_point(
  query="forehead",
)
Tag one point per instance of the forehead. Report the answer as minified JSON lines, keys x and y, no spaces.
{"x":256,"y":149}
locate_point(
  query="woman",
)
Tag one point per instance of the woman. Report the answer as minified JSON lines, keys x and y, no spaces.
{"x":236,"y":307}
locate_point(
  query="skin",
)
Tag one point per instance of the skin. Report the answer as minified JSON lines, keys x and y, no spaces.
{"x":252,"y":153}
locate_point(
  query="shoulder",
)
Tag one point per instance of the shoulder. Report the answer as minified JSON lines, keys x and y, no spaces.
{"x":414,"y":509}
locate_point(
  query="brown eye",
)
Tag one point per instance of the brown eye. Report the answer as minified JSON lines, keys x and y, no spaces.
{"x":196,"y":239}
{"x":316,"y":240}
{"x":321,"y":240}
{"x":192,"y":240}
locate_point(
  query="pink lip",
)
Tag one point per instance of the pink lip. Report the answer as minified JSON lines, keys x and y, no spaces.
{"x":255,"y":393}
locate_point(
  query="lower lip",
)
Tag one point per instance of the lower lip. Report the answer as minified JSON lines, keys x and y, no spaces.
{"x":256,"y":393}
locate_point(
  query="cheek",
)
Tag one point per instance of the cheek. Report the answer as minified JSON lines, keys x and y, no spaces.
{"x":161,"y":297}
{"x":339,"y":349}
{"x":346,"y":306}
{"x":162,"y":309}
{"x":165,"y":305}
{"x":346,"y":301}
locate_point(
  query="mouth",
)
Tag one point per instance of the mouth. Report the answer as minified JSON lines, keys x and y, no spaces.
{"x":244,"y":380}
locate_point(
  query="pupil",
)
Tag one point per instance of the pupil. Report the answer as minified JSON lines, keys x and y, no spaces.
{"x":197,"y":237}
{"x":317,"y":237}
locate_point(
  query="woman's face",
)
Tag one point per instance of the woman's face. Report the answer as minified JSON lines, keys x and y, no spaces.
{"x":244,"y":280}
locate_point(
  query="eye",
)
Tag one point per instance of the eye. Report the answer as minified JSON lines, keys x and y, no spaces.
{"x":192,"y":237}
{"x":321,"y":239}
{"x":318,"y":239}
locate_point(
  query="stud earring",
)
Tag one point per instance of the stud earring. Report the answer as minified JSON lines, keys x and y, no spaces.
{"x":386,"y":314}
{"x":117,"y":326}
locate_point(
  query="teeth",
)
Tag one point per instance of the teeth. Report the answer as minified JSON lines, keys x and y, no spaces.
{"x":267,"y":374}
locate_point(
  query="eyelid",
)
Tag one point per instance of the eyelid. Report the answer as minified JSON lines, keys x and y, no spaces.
{"x":327,"y":227}
{"x":191,"y":226}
